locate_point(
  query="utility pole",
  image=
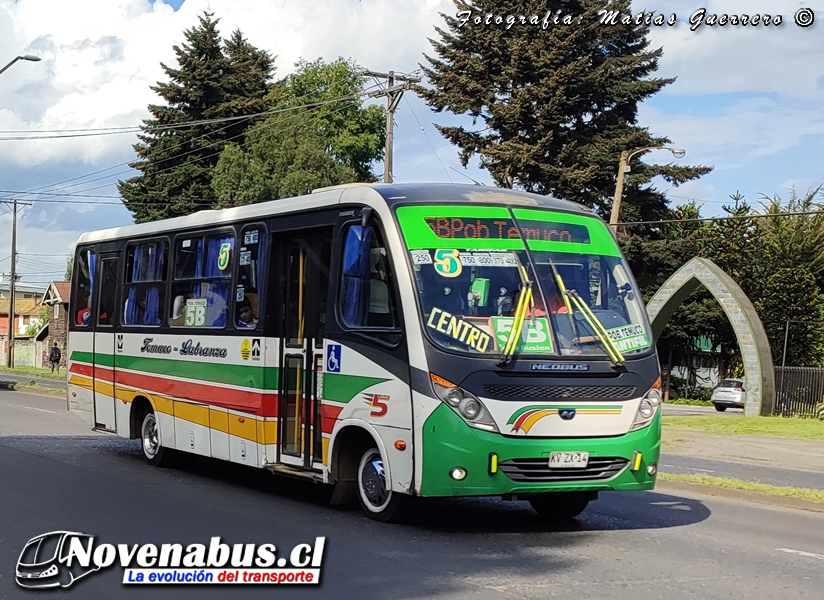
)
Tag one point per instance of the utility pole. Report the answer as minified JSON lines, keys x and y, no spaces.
{"x":393,"y":95}
{"x":10,"y":351}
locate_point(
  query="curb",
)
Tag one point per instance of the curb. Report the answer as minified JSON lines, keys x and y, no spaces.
{"x":746,"y":495}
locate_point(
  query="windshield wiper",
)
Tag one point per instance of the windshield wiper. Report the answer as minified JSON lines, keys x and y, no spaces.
{"x":525,"y":303}
{"x":595,"y":324}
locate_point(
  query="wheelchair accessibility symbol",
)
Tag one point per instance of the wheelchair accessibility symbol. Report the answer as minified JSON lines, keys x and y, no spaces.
{"x":333,"y":353}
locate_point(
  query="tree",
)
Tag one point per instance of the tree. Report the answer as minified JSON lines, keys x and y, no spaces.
{"x":553,"y":108}
{"x":69,"y":268}
{"x":212,"y":81}
{"x":40,"y":322}
{"x":791,"y":240}
{"x":794,"y":296}
{"x":334,"y":141}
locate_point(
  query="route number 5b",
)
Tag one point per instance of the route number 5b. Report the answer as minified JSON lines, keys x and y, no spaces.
{"x":196,"y":313}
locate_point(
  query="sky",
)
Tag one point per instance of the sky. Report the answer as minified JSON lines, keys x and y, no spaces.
{"x":748,"y":100}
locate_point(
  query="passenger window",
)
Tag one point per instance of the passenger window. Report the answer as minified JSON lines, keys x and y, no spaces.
{"x":145,"y":288}
{"x":202,"y":280}
{"x":108,"y":289}
{"x":250,"y":277}
{"x":367,"y":299}
{"x":82,"y":301}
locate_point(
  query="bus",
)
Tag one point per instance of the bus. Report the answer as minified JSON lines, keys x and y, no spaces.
{"x":390,"y":340}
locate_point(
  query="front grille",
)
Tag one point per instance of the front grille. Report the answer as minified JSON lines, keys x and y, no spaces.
{"x":505,"y":391}
{"x":537,"y":469}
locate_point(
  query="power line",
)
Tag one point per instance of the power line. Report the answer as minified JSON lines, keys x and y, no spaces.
{"x":409,"y":104}
{"x":755,"y":216}
{"x":180,"y":155}
{"x":151,"y":128}
{"x":127,"y":163}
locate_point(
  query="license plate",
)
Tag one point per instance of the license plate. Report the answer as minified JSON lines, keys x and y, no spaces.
{"x":568,"y":460}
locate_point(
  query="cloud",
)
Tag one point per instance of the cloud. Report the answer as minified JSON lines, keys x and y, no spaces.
{"x":746,"y":100}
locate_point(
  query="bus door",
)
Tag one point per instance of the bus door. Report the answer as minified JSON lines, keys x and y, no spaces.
{"x":104,"y":305}
{"x":304,"y":269}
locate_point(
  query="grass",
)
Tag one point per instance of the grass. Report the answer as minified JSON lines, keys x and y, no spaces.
{"x":750,"y":486}
{"x":39,"y":389}
{"x":802,"y":429}
{"x":35,"y":371}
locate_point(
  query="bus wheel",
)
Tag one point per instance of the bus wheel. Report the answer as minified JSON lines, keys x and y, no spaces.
{"x":376,"y":501}
{"x":154,"y":453}
{"x":560,"y":506}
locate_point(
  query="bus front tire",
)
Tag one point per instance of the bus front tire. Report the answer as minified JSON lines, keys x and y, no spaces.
{"x":377,"y":502}
{"x":558,"y":507}
{"x":155,"y":454}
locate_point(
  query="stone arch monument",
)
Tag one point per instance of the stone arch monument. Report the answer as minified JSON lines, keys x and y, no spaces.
{"x":752,"y":339}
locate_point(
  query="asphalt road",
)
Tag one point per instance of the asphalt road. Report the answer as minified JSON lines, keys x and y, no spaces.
{"x":54,"y":475}
{"x":671,"y":463}
{"x":684,"y":410}
{"x":59,"y":384}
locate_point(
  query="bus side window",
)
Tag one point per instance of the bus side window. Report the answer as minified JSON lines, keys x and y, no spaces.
{"x":81,"y":311}
{"x":249,"y":285}
{"x":203,"y":278}
{"x":145,"y":284}
{"x":367,"y":298}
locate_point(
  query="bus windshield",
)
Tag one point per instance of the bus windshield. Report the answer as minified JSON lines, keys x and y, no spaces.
{"x":473,"y":264}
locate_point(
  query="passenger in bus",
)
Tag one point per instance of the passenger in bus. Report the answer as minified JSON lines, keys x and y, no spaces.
{"x":245,"y":317}
{"x":85,"y":312}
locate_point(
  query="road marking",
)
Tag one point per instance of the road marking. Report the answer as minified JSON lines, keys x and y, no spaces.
{"x":40,"y":409}
{"x":801,"y":553}
{"x":688,"y":468}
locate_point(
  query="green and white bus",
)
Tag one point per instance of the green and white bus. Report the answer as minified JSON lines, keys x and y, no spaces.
{"x":390,"y":340}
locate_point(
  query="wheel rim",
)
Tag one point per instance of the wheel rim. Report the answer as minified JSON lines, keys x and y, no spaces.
{"x":372,"y":482}
{"x":151,"y":440}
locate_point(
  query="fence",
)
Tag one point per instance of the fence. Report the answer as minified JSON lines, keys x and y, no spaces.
{"x":799,"y":391}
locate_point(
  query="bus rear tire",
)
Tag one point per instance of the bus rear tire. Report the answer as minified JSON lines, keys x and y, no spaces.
{"x":376,"y":501}
{"x":155,"y":454}
{"x":559,"y":507}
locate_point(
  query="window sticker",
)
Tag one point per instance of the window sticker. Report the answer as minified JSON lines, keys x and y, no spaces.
{"x":196,"y":312}
{"x":458,"y":329}
{"x":250,"y":237}
{"x":488,"y":259}
{"x":223,"y":256}
{"x":447,"y":263}
{"x":245,"y":258}
{"x":421,"y":257}
{"x":534,"y":337}
{"x":630,"y":337}
{"x":240,"y":294}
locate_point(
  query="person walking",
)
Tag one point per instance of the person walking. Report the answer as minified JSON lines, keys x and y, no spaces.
{"x":54,"y":357}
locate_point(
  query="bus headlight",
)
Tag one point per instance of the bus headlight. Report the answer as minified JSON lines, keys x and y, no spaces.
{"x":648,"y":407}
{"x":464,"y":403}
{"x":453,"y":396}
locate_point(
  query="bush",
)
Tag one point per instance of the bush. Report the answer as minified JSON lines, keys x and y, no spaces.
{"x":690,"y":402}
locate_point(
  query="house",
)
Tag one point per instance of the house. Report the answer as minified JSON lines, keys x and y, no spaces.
{"x":26,"y":312}
{"x":56,"y":298}
{"x":22,"y":291}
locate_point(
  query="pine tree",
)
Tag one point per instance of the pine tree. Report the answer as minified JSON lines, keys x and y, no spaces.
{"x":212,"y":81}
{"x":554,"y":107}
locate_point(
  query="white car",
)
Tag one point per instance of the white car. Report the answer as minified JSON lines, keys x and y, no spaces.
{"x":729,"y":393}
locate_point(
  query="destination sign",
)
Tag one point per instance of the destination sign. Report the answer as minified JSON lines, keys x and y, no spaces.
{"x":456,"y":228}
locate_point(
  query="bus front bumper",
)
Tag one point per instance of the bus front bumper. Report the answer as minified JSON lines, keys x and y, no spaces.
{"x":521,"y":465}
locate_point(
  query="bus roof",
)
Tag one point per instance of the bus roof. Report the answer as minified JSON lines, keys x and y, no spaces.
{"x":393,"y":194}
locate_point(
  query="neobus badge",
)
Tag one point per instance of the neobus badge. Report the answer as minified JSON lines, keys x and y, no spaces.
{"x":559,"y":367}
